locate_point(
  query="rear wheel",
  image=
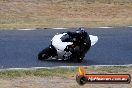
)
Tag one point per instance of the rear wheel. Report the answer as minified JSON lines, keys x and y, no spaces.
{"x":77,"y":58}
{"x":77,"y":54}
{"x":80,"y":59}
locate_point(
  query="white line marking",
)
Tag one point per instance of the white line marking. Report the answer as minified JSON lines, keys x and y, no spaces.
{"x":58,"y":28}
{"x":129,"y":26}
{"x":26,"y":29}
{"x":32,"y":68}
{"x":104,"y":27}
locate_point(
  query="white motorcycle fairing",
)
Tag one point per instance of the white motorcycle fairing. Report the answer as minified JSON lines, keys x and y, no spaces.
{"x":94,"y":39}
{"x":60,"y":46}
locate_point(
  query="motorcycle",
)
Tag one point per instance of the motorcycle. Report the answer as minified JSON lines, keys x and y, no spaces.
{"x":69,"y":46}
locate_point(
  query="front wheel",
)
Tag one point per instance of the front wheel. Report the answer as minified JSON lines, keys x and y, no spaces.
{"x":44,"y":54}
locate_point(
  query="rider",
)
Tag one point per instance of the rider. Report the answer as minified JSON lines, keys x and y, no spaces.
{"x":80,"y":38}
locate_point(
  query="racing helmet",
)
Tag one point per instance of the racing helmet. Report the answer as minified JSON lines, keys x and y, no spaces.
{"x":81,"y":31}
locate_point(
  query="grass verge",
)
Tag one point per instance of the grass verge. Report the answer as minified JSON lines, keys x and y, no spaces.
{"x":64,"y":13}
{"x":64,"y":72}
{"x":36,"y":72}
{"x":58,"y":77}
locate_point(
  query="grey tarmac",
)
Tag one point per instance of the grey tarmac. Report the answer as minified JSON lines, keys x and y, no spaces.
{"x":19,"y":48}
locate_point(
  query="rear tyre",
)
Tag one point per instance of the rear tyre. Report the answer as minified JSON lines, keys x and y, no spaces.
{"x":80,"y":59}
{"x":77,"y":58}
{"x":44,"y":54}
{"x":78,"y":54}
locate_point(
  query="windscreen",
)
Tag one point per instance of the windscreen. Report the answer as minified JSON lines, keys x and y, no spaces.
{"x":66,"y":38}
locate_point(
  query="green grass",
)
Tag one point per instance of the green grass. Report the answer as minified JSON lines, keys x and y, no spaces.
{"x":64,"y":13}
{"x":35,"y":72}
{"x":63,"y":72}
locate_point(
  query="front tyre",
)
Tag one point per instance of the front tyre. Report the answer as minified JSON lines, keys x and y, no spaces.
{"x":44,"y":54}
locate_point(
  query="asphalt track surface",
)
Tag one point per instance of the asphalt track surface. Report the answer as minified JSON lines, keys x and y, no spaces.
{"x":19,"y":48}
